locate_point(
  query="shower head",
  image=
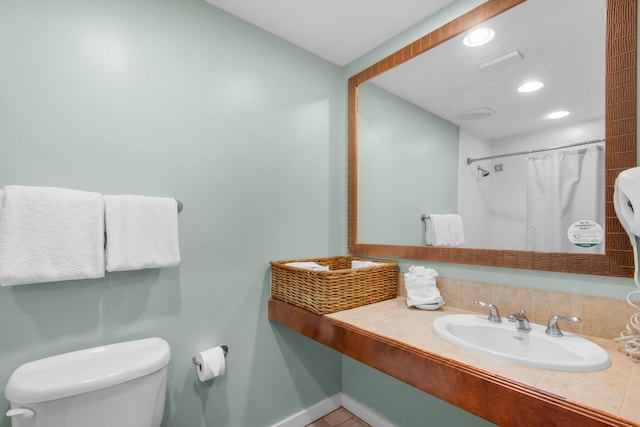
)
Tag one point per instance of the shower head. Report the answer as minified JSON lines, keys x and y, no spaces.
{"x":483,"y":171}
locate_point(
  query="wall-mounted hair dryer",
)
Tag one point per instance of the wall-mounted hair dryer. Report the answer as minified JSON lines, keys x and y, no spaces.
{"x":626,"y":201}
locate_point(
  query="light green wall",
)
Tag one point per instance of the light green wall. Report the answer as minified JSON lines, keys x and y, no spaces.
{"x":176,"y":98}
{"x":400,"y":404}
{"x":397,"y":144}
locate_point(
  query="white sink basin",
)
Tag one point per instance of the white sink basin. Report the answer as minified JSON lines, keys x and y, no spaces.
{"x":534,"y":348}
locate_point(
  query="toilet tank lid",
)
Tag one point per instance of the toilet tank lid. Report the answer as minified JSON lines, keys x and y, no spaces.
{"x":86,"y":370}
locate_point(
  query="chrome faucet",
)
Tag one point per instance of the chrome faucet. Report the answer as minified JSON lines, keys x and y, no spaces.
{"x":553,"y":329}
{"x":521,"y":320}
{"x":494,"y":315}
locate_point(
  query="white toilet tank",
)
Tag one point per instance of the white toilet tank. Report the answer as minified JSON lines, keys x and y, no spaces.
{"x":117,"y":385}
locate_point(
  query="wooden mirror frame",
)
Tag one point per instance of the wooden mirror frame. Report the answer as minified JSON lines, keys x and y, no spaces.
{"x":620,"y":133}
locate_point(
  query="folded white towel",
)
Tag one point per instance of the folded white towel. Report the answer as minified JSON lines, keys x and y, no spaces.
{"x":456,"y":229}
{"x":309,"y":265}
{"x":363,"y":264}
{"x":420,"y":283}
{"x":50,"y":234}
{"x":142,"y":232}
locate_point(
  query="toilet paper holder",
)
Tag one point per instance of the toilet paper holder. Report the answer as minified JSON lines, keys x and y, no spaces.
{"x":225,"y":350}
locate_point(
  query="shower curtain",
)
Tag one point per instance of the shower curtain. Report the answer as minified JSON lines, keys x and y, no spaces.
{"x":563,"y":188}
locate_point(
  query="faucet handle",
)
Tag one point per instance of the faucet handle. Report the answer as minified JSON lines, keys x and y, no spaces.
{"x":553,"y":329}
{"x":494,"y":315}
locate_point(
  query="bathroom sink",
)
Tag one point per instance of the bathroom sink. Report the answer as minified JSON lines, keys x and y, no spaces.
{"x":502,"y":341}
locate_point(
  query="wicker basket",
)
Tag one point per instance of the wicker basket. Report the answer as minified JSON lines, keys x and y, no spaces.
{"x":340,"y":288}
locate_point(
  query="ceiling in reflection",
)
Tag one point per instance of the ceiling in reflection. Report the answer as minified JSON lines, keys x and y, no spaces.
{"x":560,"y":43}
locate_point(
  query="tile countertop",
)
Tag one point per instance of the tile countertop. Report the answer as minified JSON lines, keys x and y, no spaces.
{"x":612,"y":392}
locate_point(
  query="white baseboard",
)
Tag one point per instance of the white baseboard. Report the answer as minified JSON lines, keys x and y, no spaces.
{"x":312,"y":413}
{"x":324,"y":407}
{"x":365,"y":413}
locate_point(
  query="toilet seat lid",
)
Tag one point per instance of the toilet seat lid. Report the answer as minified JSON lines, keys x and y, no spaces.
{"x":86,"y":370}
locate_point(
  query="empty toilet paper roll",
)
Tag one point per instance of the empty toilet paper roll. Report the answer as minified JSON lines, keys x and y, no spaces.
{"x":210,"y":363}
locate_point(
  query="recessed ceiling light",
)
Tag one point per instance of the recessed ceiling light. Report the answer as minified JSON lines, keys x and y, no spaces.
{"x":479,"y":37}
{"x":531,"y":86}
{"x":557,"y":115}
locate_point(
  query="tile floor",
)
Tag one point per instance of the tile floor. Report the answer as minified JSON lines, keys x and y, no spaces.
{"x":339,"y":418}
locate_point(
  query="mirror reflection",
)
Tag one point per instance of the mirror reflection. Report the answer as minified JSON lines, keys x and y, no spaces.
{"x":448,"y":132}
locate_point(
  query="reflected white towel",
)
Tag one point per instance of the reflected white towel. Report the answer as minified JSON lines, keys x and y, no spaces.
{"x":50,"y":234}
{"x":420,"y":283}
{"x":308,"y":265}
{"x":142,"y":232}
{"x":456,"y":230}
{"x":438,"y":231}
{"x":1,"y":202}
{"x":445,"y":230}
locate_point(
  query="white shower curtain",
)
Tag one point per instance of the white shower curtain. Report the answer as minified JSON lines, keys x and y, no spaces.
{"x":563,"y":188}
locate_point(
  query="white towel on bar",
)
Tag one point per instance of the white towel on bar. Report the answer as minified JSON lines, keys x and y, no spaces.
{"x":456,"y":229}
{"x":438,"y":230}
{"x":50,"y":234}
{"x":142,"y":232}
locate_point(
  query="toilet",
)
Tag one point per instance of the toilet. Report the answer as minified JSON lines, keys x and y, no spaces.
{"x":117,"y":385}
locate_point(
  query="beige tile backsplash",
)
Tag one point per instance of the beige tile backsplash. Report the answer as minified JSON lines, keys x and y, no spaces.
{"x":601,"y":317}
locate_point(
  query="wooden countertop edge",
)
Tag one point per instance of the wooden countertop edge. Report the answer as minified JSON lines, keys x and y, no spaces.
{"x":489,"y":396}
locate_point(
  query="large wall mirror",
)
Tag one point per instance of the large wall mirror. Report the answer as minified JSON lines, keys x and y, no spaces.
{"x":439,"y":127}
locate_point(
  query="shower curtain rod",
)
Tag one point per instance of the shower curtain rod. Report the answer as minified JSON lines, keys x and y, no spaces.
{"x":470,"y":160}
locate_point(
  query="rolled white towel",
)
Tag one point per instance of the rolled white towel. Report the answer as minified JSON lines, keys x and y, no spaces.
{"x":308,"y":265}
{"x":421,"y":271}
{"x":364,"y":264}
